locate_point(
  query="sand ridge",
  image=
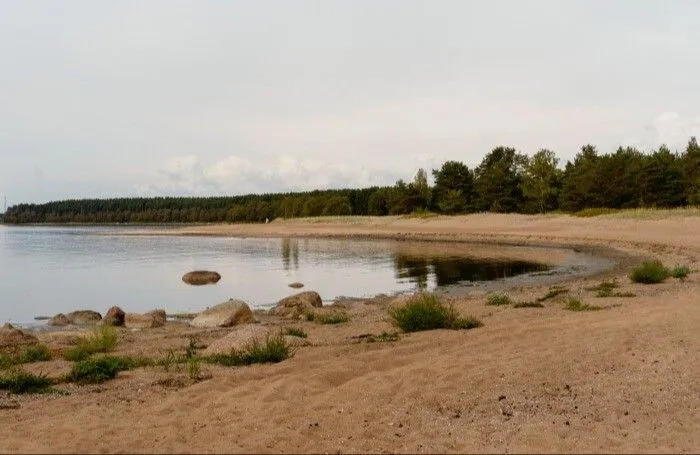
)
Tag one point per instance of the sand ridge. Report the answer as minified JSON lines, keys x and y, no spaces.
{"x":624,"y":379}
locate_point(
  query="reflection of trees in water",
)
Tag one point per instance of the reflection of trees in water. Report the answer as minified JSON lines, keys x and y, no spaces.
{"x":290,"y":254}
{"x":453,"y":270}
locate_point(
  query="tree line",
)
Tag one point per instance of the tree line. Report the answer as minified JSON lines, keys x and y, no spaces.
{"x":505,"y":181}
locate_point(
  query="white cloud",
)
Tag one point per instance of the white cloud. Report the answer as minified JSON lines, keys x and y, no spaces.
{"x":669,"y":128}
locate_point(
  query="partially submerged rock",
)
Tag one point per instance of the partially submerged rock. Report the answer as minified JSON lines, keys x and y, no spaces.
{"x":84,"y":317}
{"x":226,"y":314}
{"x":114,"y":317}
{"x":200,"y":277}
{"x":59,"y":320}
{"x":296,"y":305}
{"x":11,"y":337}
{"x":238,"y":339}
{"x":149,"y":320}
{"x":296,"y":285}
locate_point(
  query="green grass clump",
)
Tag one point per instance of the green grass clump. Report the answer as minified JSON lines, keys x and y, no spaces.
{"x":296,"y":332}
{"x":680,"y":272}
{"x":329,"y":318}
{"x":574,"y":304}
{"x":7,"y":361}
{"x":383,"y":337}
{"x":427,"y":312}
{"x":553,"y":292}
{"x":36,"y":353}
{"x":17,"y":381}
{"x":273,"y":350}
{"x":102,"y":340}
{"x":528,"y":305}
{"x":498,"y":300}
{"x":101,"y":369}
{"x":650,"y":272}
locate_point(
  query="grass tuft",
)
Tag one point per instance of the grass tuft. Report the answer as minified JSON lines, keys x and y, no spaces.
{"x":101,"y":369}
{"x":528,"y":305}
{"x":273,"y":350}
{"x":329,"y":318}
{"x":680,"y":272}
{"x":427,"y":312}
{"x":574,"y":304}
{"x":383,"y":337}
{"x":553,"y":292}
{"x":102,"y":340}
{"x":17,"y":381}
{"x":296,"y":332}
{"x":650,"y":272}
{"x":36,"y":353}
{"x":498,"y":300}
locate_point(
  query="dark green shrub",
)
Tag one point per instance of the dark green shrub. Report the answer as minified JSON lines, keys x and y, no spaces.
{"x":650,"y":272}
{"x":18,"y":381}
{"x":428,"y":312}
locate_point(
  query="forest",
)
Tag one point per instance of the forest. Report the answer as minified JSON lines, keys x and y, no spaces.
{"x":505,"y":181}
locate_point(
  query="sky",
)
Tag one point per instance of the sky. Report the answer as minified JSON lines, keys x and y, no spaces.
{"x":167,"y":97}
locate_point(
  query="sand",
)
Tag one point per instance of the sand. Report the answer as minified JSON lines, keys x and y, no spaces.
{"x":623,"y":379}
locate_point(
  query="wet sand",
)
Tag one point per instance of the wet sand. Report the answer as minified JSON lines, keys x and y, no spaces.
{"x":623,"y":379}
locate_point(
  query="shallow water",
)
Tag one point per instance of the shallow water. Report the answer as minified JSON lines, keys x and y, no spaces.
{"x":47,"y":270}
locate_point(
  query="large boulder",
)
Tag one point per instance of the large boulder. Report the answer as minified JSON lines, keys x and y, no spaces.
{"x":296,"y":305}
{"x":238,"y":339}
{"x":84,"y":317}
{"x":200,"y":277}
{"x":11,"y":338}
{"x":149,"y":320}
{"x":159,"y":315}
{"x":59,"y":320}
{"x":114,"y":317}
{"x":227,"y":314}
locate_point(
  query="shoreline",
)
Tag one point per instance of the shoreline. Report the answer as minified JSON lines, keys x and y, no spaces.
{"x":622,"y":379}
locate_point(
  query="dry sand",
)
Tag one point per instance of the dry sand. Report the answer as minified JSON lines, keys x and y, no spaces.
{"x":624,"y":379}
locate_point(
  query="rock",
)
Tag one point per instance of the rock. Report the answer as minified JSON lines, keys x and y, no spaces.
{"x":238,"y":339}
{"x":159,"y":316}
{"x":295,"y":305}
{"x":114,"y":317}
{"x":200,"y":277}
{"x":59,"y":320}
{"x":84,"y":317}
{"x":227,"y":314}
{"x":10,"y":338}
{"x":149,"y":320}
{"x":296,"y":285}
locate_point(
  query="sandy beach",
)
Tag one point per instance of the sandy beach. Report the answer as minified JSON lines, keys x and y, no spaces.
{"x":623,"y":379}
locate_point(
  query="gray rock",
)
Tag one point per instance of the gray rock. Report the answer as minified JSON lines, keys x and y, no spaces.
{"x":226,"y":314}
{"x":295,"y":305}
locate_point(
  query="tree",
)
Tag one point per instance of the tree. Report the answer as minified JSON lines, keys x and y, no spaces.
{"x":691,"y":172}
{"x":662,"y":180}
{"x":498,"y":181}
{"x":452,"y":202}
{"x":580,"y":187}
{"x":337,"y":206}
{"x":419,"y":190}
{"x":453,"y":177}
{"x":541,"y":180}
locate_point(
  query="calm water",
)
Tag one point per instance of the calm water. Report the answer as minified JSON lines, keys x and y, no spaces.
{"x":46,"y":270}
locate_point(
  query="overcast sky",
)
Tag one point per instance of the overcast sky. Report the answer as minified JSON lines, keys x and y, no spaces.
{"x":123,"y":98}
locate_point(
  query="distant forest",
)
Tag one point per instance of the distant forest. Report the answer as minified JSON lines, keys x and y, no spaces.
{"x":505,"y":181}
